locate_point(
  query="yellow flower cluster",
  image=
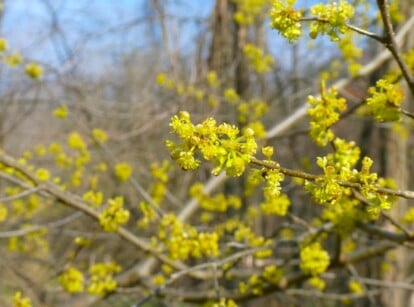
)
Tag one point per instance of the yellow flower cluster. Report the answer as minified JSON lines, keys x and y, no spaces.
{"x":164,"y":81}
{"x":286,"y":20}
{"x":370,"y":182}
{"x":324,"y":113}
{"x":248,"y":10}
{"x":260,"y":62}
{"x":99,"y":135}
{"x":332,"y":19}
{"x":250,"y":111}
{"x":3,"y":212}
{"x":231,"y":96}
{"x":217,"y":203}
{"x":72,"y":280}
{"x":326,"y":189}
{"x":277,"y":205}
{"x":61,"y":112}
{"x":213,"y":79}
{"x":20,"y":301}
{"x":123,"y":171}
{"x":76,"y":141}
{"x":255,"y":284}
{"x":314,"y":260}
{"x":34,"y":71}
{"x":114,"y":215}
{"x":3,"y":45}
{"x":245,"y":234}
{"x":272,"y":274}
{"x":13,"y":59}
{"x":101,"y":278}
{"x":317,"y":283}
{"x":42,"y":174}
{"x":93,"y":198}
{"x":355,"y":287}
{"x":225,"y":303}
{"x":183,"y":241}
{"x":385,"y":101}
{"x":220,"y":144}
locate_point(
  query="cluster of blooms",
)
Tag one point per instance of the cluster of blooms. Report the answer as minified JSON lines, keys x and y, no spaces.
{"x":286,"y":20}
{"x":324,"y":113}
{"x":254,"y":284}
{"x":32,"y":70}
{"x":231,"y":96}
{"x":260,"y":62}
{"x":114,"y":215}
{"x":100,"y":281}
{"x":314,"y":260}
{"x":61,"y":112}
{"x":385,"y":101}
{"x":270,"y":275}
{"x":248,"y":10}
{"x":225,"y":303}
{"x":370,"y":182}
{"x":20,"y":301}
{"x":220,"y":144}
{"x":408,"y":216}
{"x":82,"y":157}
{"x":274,"y":202}
{"x":317,"y":283}
{"x":355,"y":287}
{"x":183,"y":241}
{"x":216,"y":203}
{"x":3,"y":212}
{"x":336,"y":166}
{"x":99,"y":135}
{"x":72,"y":280}
{"x":250,"y":111}
{"x":34,"y":243}
{"x":164,"y":81}
{"x":326,"y":189}
{"x":101,"y":278}
{"x":244,"y":234}
{"x":213,"y":79}
{"x":344,"y":214}
{"x":332,"y":19}
{"x":93,"y":198}
{"x":123,"y":171}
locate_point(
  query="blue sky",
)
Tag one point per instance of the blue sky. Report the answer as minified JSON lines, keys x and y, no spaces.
{"x":100,"y":30}
{"x":27,"y":25}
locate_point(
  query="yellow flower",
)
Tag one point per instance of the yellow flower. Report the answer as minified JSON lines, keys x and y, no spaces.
{"x":42,"y":174}
{"x":99,"y":135}
{"x":34,"y":71}
{"x":75,"y":141}
{"x":19,"y":301}
{"x":72,"y":280}
{"x":123,"y":171}
{"x":13,"y":59}
{"x":3,"y":212}
{"x":3,"y":45}
{"x":61,"y":112}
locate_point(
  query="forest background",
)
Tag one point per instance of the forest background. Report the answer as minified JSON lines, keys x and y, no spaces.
{"x":109,"y":110}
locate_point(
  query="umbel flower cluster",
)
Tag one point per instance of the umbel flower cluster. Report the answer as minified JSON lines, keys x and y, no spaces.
{"x":222,"y":144}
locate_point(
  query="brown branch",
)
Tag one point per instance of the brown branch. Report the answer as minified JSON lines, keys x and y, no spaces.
{"x":391,"y":43}
{"x":350,"y":27}
{"x":77,"y":204}
{"x":312,"y":177}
